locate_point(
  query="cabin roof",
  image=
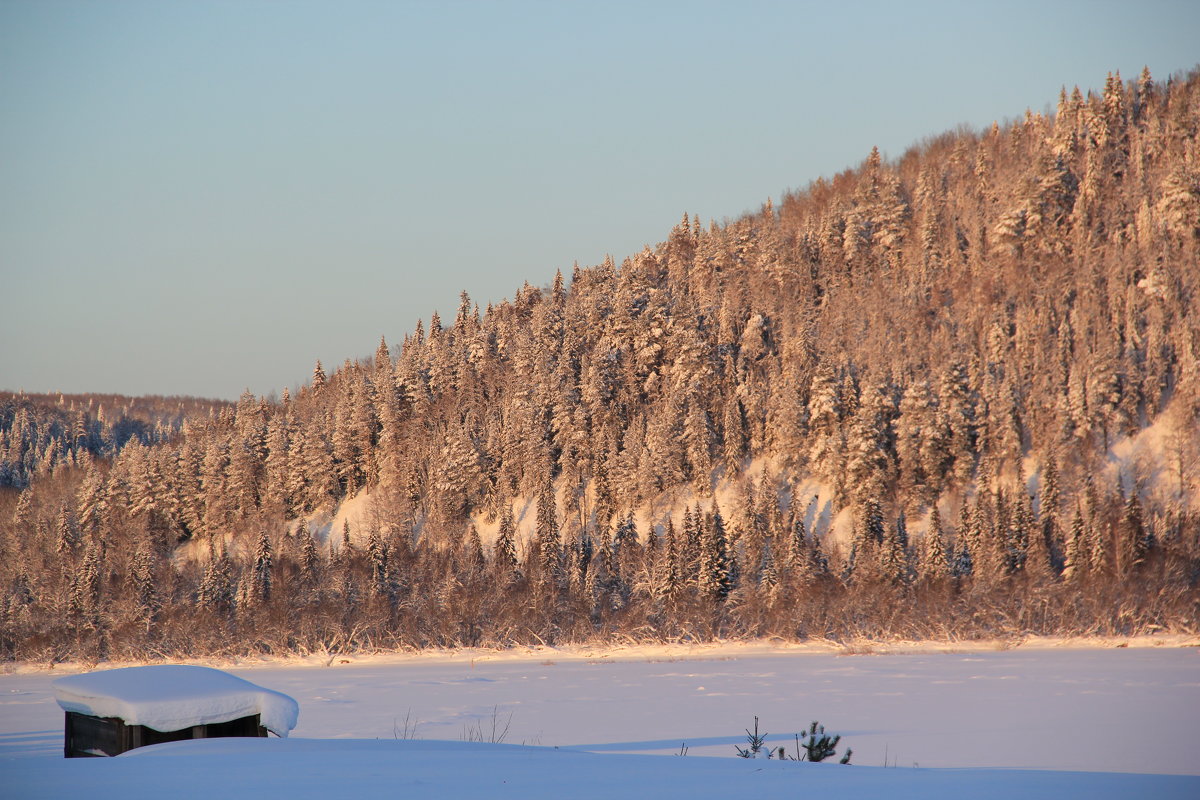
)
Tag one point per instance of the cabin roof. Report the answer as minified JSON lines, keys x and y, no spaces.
{"x":170,"y":697}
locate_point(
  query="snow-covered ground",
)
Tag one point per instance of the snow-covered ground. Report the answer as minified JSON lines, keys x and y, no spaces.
{"x":1045,"y":721}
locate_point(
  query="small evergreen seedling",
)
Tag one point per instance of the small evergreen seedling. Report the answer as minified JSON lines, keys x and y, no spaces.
{"x":819,"y":745}
{"x":811,"y":745}
{"x":755,"y":741}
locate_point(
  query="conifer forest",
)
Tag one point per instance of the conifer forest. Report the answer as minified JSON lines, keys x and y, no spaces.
{"x":951,"y":395}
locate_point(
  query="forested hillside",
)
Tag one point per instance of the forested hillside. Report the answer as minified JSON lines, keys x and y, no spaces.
{"x":952,"y":394}
{"x":40,"y":433}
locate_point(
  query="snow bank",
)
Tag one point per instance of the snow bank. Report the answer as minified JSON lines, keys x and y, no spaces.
{"x":172,"y":697}
{"x":299,"y":769}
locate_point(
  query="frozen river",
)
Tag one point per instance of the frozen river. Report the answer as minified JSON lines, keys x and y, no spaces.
{"x":1112,"y":709}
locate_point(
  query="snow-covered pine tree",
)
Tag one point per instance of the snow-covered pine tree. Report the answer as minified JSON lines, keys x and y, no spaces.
{"x":626,"y":547}
{"x":548,"y":537}
{"x":914,"y":426}
{"x":956,"y":398}
{"x":67,"y":539}
{"x":378,"y":556}
{"x":713,"y":580}
{"x":1076,"y":558}
{"x":692,"y":537}
{"x":1135,"y":539}
{"x":894,"y":556}
{"x":825,"y":412}
{"x":797,"y":570}
{"x":734,"y":435}
{"x":966,"y":544}
{"x":504,"y":551}
{"x":472,"y":551}
{"x":865,"y":560}
{"x":870,"y":462}
{"x":276,"y":467}
{"x":263,"y":565}
{"x":1050,"y":508}
{"x":1098,"y":545}
{"x":698,"y":441}
{"x":933,"y":566}
{"x":92,"y":501}
{"x":310,"y":563}
{"x":673,"y":572}
{"x":143,"y":584}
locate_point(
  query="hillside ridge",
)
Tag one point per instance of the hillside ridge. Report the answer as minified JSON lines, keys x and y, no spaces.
{"x":959,"y":353}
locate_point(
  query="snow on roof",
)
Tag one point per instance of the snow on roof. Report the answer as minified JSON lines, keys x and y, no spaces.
{"x":171,"y":697}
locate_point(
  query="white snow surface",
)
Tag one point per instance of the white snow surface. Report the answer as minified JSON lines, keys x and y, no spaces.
{"x":170,"y":697}
{"x":299,"y":769}
{"x":1038,"y":720}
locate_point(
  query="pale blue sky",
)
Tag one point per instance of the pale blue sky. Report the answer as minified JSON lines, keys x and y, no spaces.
{"x":197,"y":198}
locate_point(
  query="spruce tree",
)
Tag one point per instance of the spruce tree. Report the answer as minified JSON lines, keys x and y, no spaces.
{"x":934,"y":567}
{"x":673,"y":573}
{"x":798,"y":568}
{"x":1135,"y":540}
{"x":866,"y":560}
{"x":966,"y":543}
{"x":263,"y":564}
{"x":310,"y":562}
{"x":472,"y":549}
{"x":713,"y":572}
{"x":1076,"y":563}
{"x":67,"y":539}
{"x":145,"y":592}
{"x":377,"y":555}
{"x":893,"y":562}
{"x":549,"y":538}
{"x":504,"y":551}
{"x":1098,"y":547}
{"x":1049,"y":507}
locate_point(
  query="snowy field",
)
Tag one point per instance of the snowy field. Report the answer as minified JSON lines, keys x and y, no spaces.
{"x":1046,"y":721}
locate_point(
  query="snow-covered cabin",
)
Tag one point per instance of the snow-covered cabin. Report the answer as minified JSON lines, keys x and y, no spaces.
{"x":112,"y":711}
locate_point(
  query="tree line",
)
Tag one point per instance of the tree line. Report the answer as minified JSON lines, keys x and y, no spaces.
{"x":42,"y":433}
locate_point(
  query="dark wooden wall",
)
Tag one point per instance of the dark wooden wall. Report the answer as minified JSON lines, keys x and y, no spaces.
{"x":110,"y":736}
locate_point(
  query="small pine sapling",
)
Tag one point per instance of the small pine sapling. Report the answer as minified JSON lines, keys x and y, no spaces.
{"x":819,"y":745}
{"x":755,"y":741}
{"x":811,"y":745}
